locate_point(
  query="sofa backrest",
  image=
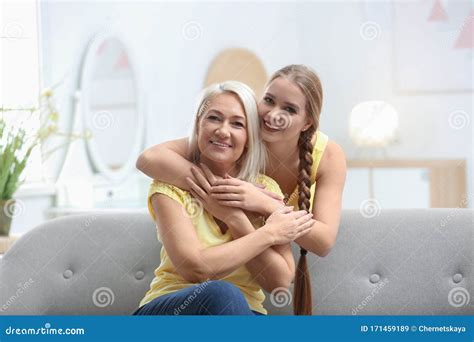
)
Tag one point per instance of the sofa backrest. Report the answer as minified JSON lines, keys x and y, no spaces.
{"x":397,"y":262}
{"x":394,"y":262}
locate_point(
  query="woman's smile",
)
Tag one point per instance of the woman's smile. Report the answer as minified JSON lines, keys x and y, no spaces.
{"x":269,"y":127}
{"x":220,"y":144}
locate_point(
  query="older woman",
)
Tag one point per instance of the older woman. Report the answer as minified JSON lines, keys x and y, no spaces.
{"x":213,"y":260}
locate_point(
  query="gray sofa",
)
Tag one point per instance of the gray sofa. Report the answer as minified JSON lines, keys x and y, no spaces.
{"x":399,"y":262}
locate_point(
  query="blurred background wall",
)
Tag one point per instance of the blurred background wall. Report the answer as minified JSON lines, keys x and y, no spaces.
{"x":360,"y":49}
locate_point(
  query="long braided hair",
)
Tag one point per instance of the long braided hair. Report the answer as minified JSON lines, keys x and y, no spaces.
{"x":310,"y":84}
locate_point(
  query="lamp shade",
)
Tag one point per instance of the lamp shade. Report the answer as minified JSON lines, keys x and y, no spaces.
{"x":373,"y":123}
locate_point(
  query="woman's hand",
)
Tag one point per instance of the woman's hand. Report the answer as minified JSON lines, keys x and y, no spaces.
{"x":201,"y":191}
{"x":286,"y":225}
{"x":233,"y":192}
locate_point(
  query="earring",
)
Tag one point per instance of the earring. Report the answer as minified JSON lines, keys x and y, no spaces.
{"x":304,"y":130}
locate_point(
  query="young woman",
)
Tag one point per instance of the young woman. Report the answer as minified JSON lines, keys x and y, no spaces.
{"x":300,"y":157}
{"x":213,"y":260}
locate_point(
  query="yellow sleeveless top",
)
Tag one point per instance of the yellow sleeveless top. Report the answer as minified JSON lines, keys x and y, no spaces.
{"x":318,"y":150}
{"x":167,"y":280}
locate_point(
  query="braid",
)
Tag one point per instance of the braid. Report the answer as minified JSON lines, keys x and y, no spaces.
{"x":302,"y":304}
{"x":306,"y":162}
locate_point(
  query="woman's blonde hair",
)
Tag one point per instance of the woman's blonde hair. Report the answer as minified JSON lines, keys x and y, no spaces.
{"x":252,"y":161}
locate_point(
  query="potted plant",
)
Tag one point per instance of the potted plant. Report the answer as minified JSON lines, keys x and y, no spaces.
{"x":16,"y":146}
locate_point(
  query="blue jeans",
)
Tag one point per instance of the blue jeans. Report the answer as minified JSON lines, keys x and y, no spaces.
{"x":215,"y":297}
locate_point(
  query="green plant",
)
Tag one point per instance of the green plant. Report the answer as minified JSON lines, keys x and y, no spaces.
{"x":16,"y":144}
{"x":12,"y":164}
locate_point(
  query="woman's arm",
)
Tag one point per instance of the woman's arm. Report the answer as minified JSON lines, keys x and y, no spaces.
{"x":196,"y":263}
{"x":167,"y":162}
{"x":327,"y":202}
{"x":274,"y":267}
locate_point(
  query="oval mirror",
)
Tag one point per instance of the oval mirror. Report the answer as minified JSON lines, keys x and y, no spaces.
{"x":111,"y":107}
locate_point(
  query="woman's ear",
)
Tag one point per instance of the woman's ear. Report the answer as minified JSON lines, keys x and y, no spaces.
{"x":306,"y":126}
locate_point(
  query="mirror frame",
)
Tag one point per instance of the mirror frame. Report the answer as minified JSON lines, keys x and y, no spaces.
{"x":86,"y":70}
